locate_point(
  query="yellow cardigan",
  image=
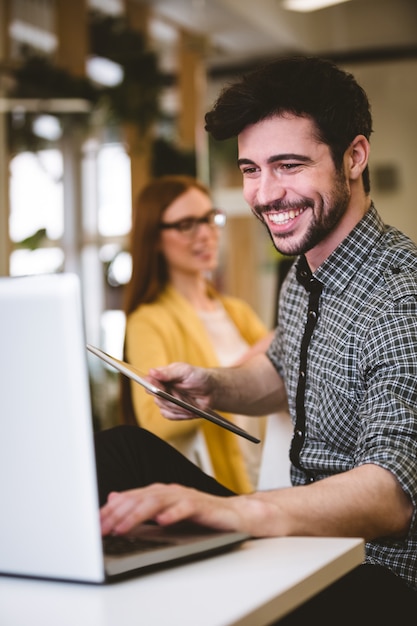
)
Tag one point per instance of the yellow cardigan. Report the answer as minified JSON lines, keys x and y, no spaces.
{"x":169,"y":330}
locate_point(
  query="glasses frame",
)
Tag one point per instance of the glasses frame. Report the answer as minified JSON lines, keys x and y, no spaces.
{"x":189,"y":225}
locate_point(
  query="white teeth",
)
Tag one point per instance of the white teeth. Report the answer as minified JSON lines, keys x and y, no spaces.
{"x":284,"y":216}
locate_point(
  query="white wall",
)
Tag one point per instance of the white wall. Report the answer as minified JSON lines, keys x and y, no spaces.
{"x":392,"y":90}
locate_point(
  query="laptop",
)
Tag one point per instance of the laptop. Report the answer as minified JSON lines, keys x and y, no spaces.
{"x":49,"y":522}
{"x":184,"y":402}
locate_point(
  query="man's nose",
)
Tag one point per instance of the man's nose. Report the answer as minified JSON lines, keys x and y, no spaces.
{"x":270,"y":188}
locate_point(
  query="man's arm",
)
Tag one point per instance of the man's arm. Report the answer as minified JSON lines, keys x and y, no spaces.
{"x":364,"y":502}
{"x":252,"y":388}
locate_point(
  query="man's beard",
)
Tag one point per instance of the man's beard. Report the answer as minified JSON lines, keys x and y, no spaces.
{"x":323,"y":223}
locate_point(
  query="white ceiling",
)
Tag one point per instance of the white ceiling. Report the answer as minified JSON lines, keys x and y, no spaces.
{"x":239,"y":32}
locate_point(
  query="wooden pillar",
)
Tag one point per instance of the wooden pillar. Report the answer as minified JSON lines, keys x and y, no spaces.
{"x":4,"y":26}
{"x":139,"y":149}
{"x":137,"y":16}
{"x":72,"y":33}
{"x":192,"y":92}
{"x":139,"y":145}
{"x":71,"y":55}
{"x":240,"y":273}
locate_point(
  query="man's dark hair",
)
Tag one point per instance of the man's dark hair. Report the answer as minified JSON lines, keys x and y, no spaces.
{"x":303,"y":86}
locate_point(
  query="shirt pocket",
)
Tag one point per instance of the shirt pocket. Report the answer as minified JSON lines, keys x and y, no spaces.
{"x":339,"y":402}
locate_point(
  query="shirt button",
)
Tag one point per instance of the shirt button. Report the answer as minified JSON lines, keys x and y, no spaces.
{"x":311,"y":479}
{"x":312,"y":315}
{"x":302,"y":374}
{"x":299,"y":433}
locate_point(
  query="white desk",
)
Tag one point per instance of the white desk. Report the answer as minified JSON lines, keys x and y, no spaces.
{"x":257,"y":583}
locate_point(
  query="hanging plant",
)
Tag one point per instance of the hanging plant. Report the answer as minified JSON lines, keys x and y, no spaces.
{"x":136,"y":98}
{"x":167,"y":158}
{"x":37,"y":78}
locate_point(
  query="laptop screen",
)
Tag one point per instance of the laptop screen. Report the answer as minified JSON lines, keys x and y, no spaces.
{"x":46,"y":439}
{"x":49,"y":526}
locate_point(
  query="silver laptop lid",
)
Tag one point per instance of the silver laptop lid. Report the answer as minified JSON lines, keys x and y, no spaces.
{"x":49,"y":526}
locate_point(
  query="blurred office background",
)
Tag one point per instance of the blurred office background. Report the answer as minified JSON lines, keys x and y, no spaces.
{"x":96,"y":96}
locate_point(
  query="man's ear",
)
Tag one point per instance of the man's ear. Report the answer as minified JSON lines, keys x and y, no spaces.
{"x":357,"y":156}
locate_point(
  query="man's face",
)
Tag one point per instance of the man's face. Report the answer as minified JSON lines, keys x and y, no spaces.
{"x":291,"y":184}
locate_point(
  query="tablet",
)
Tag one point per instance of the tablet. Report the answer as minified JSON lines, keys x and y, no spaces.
{"x":208,"y":414}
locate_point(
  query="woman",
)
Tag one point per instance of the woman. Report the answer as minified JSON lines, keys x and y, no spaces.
{"x":173,"y":313}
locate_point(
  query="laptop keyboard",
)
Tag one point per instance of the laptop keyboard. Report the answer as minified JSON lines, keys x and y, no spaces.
{"x":115,"y":545}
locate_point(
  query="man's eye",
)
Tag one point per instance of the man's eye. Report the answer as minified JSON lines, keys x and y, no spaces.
{"x":249,"y":170}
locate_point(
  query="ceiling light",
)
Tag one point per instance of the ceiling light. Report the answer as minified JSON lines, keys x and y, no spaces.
{"x":31,"y":35}
{"x":104,"y":71}
{"x":110,"y":7}
{"x":47,"y":127}
{"x":305,"y":6}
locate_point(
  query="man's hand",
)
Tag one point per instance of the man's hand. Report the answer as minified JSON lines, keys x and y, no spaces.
{"x":366,"y":501}
{"x":189,"y":383}
{"x":252,"y":388}
{"x":168,"y":504}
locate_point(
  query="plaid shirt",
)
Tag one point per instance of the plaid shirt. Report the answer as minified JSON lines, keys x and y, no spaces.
{"x":361,"y":378}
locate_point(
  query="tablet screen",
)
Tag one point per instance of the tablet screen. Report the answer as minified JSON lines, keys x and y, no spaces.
{"x":185,"y":403}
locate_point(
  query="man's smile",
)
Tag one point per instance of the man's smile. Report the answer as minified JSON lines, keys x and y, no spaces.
{"x":283,"y":217}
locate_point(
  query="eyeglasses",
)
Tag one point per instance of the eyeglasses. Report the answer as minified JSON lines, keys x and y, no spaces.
{"x":189,"y":225}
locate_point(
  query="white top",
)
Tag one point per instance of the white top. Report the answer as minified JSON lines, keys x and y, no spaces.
{"x":229,"y":347}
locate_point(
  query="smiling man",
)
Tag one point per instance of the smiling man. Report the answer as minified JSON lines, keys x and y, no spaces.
{"x":298,"y":195}
{"x":344,"y":355}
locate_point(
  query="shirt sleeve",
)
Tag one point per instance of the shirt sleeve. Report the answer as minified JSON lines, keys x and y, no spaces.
{"x":388,"y":413}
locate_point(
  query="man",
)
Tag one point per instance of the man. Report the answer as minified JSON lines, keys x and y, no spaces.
{"x":344,"y":353}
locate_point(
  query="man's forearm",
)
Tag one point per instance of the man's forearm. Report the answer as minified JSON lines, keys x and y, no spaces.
{"x":253,"y":388}
{"x":365,"y":502}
